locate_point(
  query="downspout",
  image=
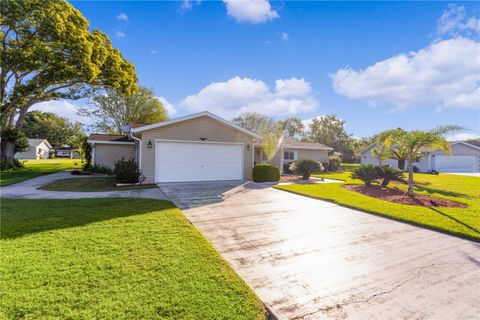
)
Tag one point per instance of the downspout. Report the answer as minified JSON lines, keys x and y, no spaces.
{"x":139,"y":149}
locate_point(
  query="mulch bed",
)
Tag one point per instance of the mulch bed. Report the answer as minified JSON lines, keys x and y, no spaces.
{"x":399,"y":196}
{"x":291,"y":178}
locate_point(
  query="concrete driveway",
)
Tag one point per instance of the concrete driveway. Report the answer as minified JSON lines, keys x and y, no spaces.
{"x":310,"y":259}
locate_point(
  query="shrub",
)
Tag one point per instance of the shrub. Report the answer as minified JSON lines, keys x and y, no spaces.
{"x":10,"y":165}
{"x":127,"y":171}
{"x":96,"y":168}
{"x":366,"y":173}
{"x":389,"y":174}
{"x":265,"y":173}
{"x":333,"y":164}
{"x":305,"y":167}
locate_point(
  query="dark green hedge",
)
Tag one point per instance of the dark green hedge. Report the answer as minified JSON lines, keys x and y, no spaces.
{"x":265,"y":173}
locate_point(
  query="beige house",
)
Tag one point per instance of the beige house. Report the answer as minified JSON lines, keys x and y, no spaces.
{"x":197,"y":147}
{"x":37,"y":149}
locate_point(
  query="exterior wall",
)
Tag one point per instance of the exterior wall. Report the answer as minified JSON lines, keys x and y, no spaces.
{"x":458,"y":149}
{"x":319,"y":155}
{"x":192,"y":130}
{"x":31,"y":153}
{"x":107,"y":154}
{"x":367,"y":158}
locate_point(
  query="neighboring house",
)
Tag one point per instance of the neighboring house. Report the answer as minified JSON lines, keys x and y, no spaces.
{"x":37,"y":149}
{"x":197,"y":147}
{"x":465,"y":158}
{"x":65,"y":152}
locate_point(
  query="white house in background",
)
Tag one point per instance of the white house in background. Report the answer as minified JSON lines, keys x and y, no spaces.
{"x":37,"y":149}
{"x":65,"y":152}
{"x":465,"y":158}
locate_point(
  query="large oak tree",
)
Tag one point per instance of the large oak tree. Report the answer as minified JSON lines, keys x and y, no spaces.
{"x":47,"y":52}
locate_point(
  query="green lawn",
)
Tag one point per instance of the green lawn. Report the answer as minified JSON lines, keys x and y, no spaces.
{"x":36,"y":168}
{"x":113,"y":259}
{"x":464,"y":222}
{"x":90,"y":184}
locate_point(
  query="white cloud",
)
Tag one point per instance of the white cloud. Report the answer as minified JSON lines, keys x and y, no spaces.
{"x":171,"y":110}
{"x":120,"y":34}
{"x":284,"y":36}
{"x":122,"y":17}
{"x":463,"y":136}
{"x":444,"y":74}
{"x":254,"y":11}
{"x":292,"y":87}
{"x":62,"y":108}
{"x":463,"y":101}
{"x":454,"y":20}
{"x":238,"y":95}
{"x":186,"y":5}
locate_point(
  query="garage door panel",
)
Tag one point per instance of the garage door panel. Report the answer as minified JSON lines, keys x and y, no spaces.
{"x":455,"y":163}
{"x":180,"y":161}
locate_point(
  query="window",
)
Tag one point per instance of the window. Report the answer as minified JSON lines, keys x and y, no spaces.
{"x":289,"y":156}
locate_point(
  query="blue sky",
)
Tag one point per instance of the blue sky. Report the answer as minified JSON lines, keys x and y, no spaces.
{"x":377,"y":65}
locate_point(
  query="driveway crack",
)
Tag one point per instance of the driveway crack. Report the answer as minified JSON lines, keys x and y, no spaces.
{"x":373,"y":296}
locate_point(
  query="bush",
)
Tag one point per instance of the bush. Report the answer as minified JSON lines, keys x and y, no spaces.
{"x":305,"y":167}
{"x":366,"y":173}
{"x":333,"y":165}
{"x":96,"y":168}
{"x":10,"y":165}
{"x":389,"y":174}
{"x":265,"y":173}
{"x":127,"y":171}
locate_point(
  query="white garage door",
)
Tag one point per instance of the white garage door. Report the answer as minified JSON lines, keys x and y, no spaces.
{"x":455,"y":163}
{"x":202,"y":161}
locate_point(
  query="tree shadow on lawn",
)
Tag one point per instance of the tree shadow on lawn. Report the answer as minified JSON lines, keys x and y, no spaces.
{"x":456,"y":220}
{"x":22,"y":217}
{"x":431,"y":191}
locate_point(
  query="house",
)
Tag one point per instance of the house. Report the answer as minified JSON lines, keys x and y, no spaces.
{"x":37,"y":149}
{"x":465,"y":158}
{"x":197,"y":147}
{"x":65,"y":152}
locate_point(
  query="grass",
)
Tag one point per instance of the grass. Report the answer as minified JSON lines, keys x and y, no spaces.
{"x":113,"y":259}
{"x":36,"y":168}
{"x":90,"y":184}
{"x":463,"y":222}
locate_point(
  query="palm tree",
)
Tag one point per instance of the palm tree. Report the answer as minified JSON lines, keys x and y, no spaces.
{"x":380,"y":152}
{"x":413,"y":143}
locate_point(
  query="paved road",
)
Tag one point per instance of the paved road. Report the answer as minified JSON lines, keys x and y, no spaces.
{"x":310,"y":259}
{"x":28,"y":190}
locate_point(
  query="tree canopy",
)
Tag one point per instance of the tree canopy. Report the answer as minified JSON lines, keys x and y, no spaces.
{"x":113,"y":109}
{"x":330,"y":130}
{"x":256,"y":122}
{"x":47,"y":52}
{"x":57,"y":130}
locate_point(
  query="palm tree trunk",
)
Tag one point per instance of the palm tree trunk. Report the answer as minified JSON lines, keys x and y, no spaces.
{"x":410,"y":176}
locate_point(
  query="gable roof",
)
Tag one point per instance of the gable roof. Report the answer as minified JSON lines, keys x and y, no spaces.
{"x":288,"y":143}
{"x":37,"y":142}
{"x":194,"y":116}
{"x":109,"y":138}
{"x":471,"y":144}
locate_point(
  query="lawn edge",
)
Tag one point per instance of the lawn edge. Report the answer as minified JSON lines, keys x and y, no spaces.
{"x":416,"y":224}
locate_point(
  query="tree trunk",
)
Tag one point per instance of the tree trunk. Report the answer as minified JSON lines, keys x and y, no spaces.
{"x":306,"y":176}
{"x":8,"y":151}
{"x":410,"y":176}
{"x":401,"y":164}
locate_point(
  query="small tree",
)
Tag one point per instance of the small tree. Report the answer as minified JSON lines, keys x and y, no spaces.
{"x":305,"y":167}
{"x":380,"y":152}
{"x":389,"y":174}
{"x":415,"y":141}
{"x":87,"y":152}
{"x":366,"y":173}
